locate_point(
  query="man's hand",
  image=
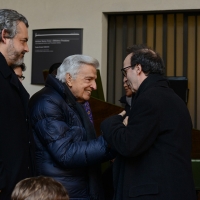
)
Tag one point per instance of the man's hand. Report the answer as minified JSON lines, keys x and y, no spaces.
{"x":125,"y":121}
{"x":122,"y":113}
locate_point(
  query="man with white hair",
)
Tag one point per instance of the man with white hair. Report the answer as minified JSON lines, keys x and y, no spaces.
{"x":66,"y":145}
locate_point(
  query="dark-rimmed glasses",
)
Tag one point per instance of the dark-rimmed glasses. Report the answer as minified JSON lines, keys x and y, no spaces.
{"x":21,"y":77}
{"x":124,"y":70}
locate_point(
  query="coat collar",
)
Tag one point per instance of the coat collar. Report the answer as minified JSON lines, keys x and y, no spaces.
{"x":61,"y":88}
{"x":4,"y":69}
{"x":7,"y":72}
{"x":151,"y":81}
{"x":123,"y":99}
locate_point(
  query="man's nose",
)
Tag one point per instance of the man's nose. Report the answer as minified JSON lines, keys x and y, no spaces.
{"x":26,"y":48}
{"x":93,"y":85}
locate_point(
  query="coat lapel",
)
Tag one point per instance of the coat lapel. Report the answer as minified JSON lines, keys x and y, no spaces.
{"x":9,"y":74}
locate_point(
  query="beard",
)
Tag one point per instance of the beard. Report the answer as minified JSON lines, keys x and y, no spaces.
{"x":14,"y":55}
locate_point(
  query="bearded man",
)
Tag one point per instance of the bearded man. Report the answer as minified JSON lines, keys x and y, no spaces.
{"x":15,"y":162}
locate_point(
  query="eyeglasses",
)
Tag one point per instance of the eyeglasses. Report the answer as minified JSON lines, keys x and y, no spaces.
{"x":21,"y":77}
{"x":124,"y":70}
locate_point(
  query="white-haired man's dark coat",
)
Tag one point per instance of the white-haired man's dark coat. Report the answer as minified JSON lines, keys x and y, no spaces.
{"x":66,"y":145}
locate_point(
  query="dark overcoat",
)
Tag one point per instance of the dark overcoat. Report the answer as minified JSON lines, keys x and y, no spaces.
{"x":14,"y":131}
{"x":154,"y":149}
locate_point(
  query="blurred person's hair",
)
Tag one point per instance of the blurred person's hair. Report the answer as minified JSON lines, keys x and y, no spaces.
{"x":39,"y":188}
{"x":53,"y":68}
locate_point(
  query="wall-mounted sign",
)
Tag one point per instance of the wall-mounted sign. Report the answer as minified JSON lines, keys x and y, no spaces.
{"x":53,"y":46}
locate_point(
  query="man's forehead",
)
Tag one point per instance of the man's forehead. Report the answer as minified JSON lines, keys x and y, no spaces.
{"x":129,"y":56}
{"x":85,"y":75}
{"x":127,"y":61}
{"x":88,"y":75}
{"x":86,"y":69}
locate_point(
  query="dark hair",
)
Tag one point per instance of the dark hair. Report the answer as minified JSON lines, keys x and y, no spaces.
{"x":135,"y":47}
{"x":23,"y":66}
{"x":150,"y":61}
{"x":53,"y":68}
{"x":43,"y":188}
{"x":9,"y":20}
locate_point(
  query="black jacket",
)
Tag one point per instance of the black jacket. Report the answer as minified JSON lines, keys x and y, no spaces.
{"x":66,"y":146}
{"x":15,"y":160}
{"x":154,"y":149}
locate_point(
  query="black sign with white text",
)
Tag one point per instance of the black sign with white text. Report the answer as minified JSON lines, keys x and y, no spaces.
{"x":53,"y":46}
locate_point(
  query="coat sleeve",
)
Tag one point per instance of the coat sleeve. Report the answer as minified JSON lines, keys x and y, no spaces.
{"x":140,"y":133}
{"x":64,"y":141}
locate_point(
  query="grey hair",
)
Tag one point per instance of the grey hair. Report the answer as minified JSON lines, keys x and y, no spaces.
{"x":72,"y":65}
{"x":9,"y":20}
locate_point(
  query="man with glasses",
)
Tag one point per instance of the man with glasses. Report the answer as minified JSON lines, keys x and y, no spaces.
{"x":154,"y":143}
{"x":15,"y":162}
{"x":19,"y":69}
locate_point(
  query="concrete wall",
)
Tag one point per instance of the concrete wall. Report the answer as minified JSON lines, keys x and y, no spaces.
{"x":86,"y":14}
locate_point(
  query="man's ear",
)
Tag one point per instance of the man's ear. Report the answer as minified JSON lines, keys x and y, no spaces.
{"x":4,"y":36}
{"x":68,"y":79}
{"x":139,"y":68}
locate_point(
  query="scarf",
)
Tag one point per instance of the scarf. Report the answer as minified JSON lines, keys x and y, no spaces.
{"x":95,"y":187}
